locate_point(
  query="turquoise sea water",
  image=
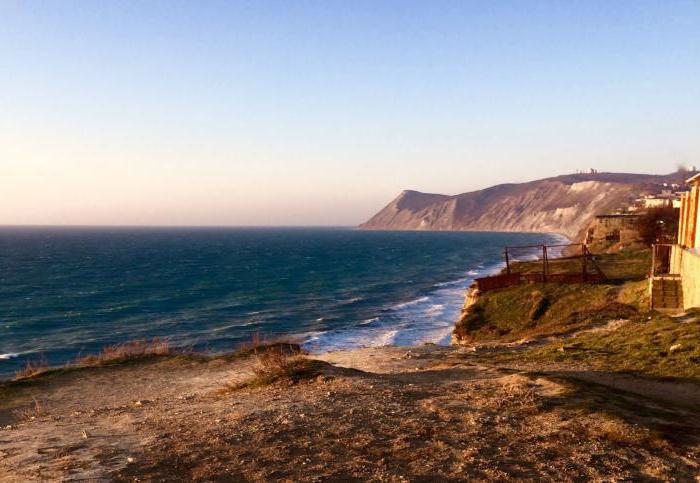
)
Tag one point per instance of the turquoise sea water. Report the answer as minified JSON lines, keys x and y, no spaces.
{"x":64,"y":292}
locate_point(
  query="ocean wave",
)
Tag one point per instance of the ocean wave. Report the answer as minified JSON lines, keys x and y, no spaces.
{"x":369,"y":321}
{"x":351,"y":300}
{"x":403,"y":305}
{"x":451,"y":283}
{"x":7,"y":356}
{"x":426,"y":319}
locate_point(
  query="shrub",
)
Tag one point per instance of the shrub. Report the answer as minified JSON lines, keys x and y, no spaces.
{"x":278,"y":363}
{"x":659,"y":225}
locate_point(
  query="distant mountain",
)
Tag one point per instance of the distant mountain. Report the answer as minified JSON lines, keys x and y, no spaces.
{"x":563,"y":204}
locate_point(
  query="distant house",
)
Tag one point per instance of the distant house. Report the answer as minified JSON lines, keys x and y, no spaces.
{"x":675,"y":280}
{"x":667,"y":198}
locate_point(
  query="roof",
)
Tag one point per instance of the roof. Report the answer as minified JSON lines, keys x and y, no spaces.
{"x":693,"y":179}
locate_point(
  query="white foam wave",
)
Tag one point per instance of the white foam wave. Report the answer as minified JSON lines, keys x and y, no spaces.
{"x":429,"y":318}
{"x":409,"y":303}
{"x":7,"y":356}
{"x":426,"y":319}
{"x":369,"y":321}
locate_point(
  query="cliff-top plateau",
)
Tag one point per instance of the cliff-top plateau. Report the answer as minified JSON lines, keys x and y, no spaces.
{"x":564,"y":204}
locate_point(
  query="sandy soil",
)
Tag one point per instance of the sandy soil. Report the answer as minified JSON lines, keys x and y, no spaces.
{"x":387,"y":414}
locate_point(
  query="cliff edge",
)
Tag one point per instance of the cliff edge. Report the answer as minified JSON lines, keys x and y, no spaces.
{"x":563,"y":204}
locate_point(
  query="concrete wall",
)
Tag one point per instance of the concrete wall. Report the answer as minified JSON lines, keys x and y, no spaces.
{"x":686,"y":262}
{"x":614,"y":228}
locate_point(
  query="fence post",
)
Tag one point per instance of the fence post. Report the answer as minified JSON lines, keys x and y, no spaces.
{"x":544,"y":263}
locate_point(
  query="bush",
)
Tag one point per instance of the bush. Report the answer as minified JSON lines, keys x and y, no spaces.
{"x":659,"y":225}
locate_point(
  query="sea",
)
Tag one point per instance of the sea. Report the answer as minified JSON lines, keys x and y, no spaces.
{"x":66,"y":292}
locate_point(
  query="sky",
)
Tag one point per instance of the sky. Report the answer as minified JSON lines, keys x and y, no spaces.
{"x":319,"y":113}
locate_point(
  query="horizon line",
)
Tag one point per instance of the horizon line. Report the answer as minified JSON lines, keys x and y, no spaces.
{"x":167,"y":226}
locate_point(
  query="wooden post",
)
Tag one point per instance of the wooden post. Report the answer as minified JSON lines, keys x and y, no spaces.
{"x":544,"y":263}
{"x":507,"y":261}
{"x":653,"y":260}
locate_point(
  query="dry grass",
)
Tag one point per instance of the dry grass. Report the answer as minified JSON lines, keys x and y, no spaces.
{"x":32,"y":368}
{"x":279,"y":364}
{"x":617,"y":431}
{"x":517,"y":396}
{"x":31,"y":412}
{"x":260,"y":344}
{"x":146,"y":349}
{"x":135,"y":349}
{"x":113,"y":354}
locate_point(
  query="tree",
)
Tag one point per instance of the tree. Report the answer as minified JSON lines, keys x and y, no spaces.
{"x":659,"y":225}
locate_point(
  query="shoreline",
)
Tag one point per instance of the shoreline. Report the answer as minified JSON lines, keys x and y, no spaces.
{"x":500,"y":409}
{"x":441,"y":336}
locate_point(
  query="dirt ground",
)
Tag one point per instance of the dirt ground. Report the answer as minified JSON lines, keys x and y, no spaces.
{"x":386,"y":414}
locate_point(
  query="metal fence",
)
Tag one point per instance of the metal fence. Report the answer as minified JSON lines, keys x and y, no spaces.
{"x":564,"y":263}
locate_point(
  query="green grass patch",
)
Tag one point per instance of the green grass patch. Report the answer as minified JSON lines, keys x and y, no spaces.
{"x":660,"y":346}
{"x":544,"y":309}
{"x":625,"y":265}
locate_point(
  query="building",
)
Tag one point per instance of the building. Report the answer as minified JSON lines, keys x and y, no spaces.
{"x":614,"y":228}
{"x":675,"y":274}
{"x":667,"y":198}
{"x":688,"y":233}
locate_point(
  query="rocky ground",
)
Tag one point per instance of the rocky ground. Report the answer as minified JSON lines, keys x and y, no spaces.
{"x":386,"y":414}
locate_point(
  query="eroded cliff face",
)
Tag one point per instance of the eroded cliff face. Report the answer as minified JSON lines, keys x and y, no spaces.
{"x":565,"y":205}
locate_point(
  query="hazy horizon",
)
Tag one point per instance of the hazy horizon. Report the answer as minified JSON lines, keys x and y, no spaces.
{"x":217,"y":114}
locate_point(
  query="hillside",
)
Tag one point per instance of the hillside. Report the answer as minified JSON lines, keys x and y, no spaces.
{"x":563,"y":204}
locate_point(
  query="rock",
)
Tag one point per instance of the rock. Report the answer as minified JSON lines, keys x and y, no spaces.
{"x":674,"y":348}
{"x":85,"y":434}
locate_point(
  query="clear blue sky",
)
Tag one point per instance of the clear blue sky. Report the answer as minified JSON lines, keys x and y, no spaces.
{"x":299,"y":112}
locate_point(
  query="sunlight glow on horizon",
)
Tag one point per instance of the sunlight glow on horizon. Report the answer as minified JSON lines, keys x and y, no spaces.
{"x":319,"y":113}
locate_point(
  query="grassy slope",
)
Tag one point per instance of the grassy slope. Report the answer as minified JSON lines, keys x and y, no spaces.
{"x":532,"y":310}
{"x":640,"y":346}
{"x":553,"y":309}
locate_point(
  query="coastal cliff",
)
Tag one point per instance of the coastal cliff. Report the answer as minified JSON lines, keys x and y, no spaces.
{"x":564,"y":204}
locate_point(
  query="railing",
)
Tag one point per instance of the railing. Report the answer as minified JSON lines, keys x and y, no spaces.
{"x":542,"y":268}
